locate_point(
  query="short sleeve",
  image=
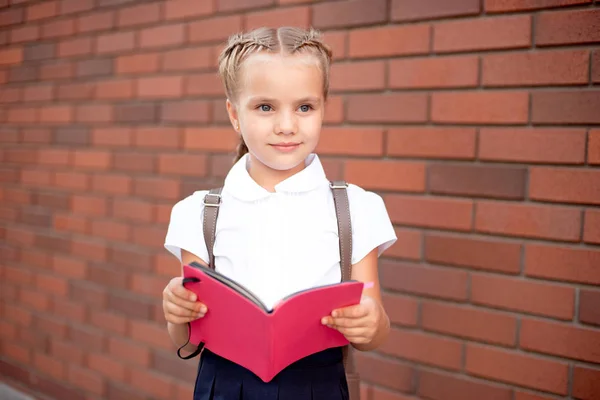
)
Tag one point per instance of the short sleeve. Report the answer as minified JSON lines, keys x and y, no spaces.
{"x":371,"y":224}
{"x":185,"y":227}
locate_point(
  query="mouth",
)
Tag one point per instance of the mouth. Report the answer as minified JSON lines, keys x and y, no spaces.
{"x":286,"y":147}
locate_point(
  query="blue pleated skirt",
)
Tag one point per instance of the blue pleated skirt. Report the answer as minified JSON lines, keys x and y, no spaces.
{"x":320,"y":376}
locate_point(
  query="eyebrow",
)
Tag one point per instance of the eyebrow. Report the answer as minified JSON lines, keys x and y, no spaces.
{"x":308,"y":99}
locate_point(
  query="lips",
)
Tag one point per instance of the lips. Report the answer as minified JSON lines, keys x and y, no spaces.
{"x":285,"y":147}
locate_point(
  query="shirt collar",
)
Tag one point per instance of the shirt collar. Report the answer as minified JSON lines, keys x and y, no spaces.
{"x":240,"y":184}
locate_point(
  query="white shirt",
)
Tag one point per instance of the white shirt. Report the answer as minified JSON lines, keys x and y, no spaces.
{"x":279,"y":243}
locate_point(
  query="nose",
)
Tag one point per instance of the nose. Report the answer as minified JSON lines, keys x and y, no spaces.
{"x":286,"y":123}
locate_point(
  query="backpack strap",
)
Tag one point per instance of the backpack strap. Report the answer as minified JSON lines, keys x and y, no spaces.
{"x":344,"y":221}
{"x":212,"y":202}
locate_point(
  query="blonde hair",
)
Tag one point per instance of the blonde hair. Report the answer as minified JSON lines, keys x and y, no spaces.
{"x":284,"y":40}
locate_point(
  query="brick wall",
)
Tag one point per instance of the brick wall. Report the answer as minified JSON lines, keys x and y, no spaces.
{"x":478,"y":121}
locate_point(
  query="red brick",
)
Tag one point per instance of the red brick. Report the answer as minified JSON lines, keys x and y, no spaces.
{"x":214,"y":29}
{"x":563,"y":263}
{"x":386,"y":372}
{"x":137,"y":63}
{"x":134,"y":161}
{"x":442,"y":213}
{"x":442,"y":283}
{"x":55,"y":29}
{"x":564,"y":185}
{"x":160,"y":87}
{"x":482,"y":34}
{"x":89,"y":205}
{"x":350,"y":141}
{"x":142,"y":14}
{"x":556,"y":301}
{"x":109,"y":321}
{"x":432,"y":142}
{"x":291,"y":16}
{"x":71,"y":180}
{"x":495,"y":6}
{"x":185,"y":111}
{"x":586,"y":382}
{"x":349,"y":13}
{"x":157,"y":188}
{"x":530,"y":396}
{"x":567,"y":27}
{"x":187,"y":8}
{"x":42,"y":92}
{"x":10,"y":56}
{"x":560,"y":339}
{"x":151,"y":383}
{"x":158,"y":137}
{"x":213,"y":139}
{"x":402,"y":310}
{"x":424,"y":348}
{"x":94,"y":113}
{"x":470,"y":323}
{"x":17,"y":352}
{"x":11,"y":95}
{"x":434,"y":72}
{"x":22,"y":115}
{"x":593,"y":154}
{"x":362,"y":75}
{"x":182,"y":164}
{"x":56,"y":114}
{"x":35,"y":177}
{"x":591,"y":226}
{"x":437,"y":385}
{"x":565,"y":107}
{"x":111,"y":230}
{"x":533,"y":145}
{"x":381,"y":108}
{"x":50,"y":366}
{"x":479,"y":181}
{"x":112,"y":137}
{"x":360,"y":172}
{"x":97,"y":21}
{"x":75,"y":91}
{"x":92,"y":159}
{"x":70,"y":223}
{"x":406,"y":10}
{"x":67,"y":352}
{"x":57,"y":70}
{"x":52,"y":285}
{"x":75,"y":6}
{"x":75,"y":47}
{"x":112,"y":183}
{"x":389,"y":41}
{"x":528,"y":220}
{"x":161,"y":36}
{"x":25,"y":34}
{"x":562,"y":67}
{"x":504,"y":107}
{"x":115,"y":42}
{"x":205,"y":84}
{"x":41,"y":11}
{"x":187,"y":59}
{"x":147,"y":284}
{"x":517,"y":368}
{"x":484,"y":254}
{"x":115,"y":89}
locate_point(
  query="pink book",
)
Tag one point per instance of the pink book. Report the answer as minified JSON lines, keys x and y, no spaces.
{"x":240,"y":328}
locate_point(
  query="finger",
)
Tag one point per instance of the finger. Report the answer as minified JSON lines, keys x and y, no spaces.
{"x":349,"y":322}
{"x":189,"y":305}
{"x":180,"y":291}
{"x":351,"y":332}
{"x":178,"y":320}
{"x":174,"y":309}
{"x":357,"y":311}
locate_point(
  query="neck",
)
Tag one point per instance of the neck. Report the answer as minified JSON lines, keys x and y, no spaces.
{"x":267,"y":177}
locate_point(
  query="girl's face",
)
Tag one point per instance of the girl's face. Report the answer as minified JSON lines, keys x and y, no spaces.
{"x":279,"y":109}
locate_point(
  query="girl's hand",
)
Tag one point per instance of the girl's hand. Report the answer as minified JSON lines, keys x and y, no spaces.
{"x":179,"y":304}
{"x":357,"y":323}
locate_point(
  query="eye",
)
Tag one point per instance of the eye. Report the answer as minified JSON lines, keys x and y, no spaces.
{"x":305,"y":108}
{"x":265,"y":107}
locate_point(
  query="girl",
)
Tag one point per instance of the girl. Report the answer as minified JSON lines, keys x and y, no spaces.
{"x":277,"y":230}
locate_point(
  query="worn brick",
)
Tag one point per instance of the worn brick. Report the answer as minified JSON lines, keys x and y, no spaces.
{"x":407,"y":10}
{"x":568,"y":27}
{"x":352,"y":12}
{"x":564,"y":107}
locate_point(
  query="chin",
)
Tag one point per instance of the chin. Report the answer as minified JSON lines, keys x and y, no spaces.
{"x":283,"y":162}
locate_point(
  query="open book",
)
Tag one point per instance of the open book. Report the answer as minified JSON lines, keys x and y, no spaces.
{"x":240,"y":328}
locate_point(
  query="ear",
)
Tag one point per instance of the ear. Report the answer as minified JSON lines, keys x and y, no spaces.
{"x":233,"y":115}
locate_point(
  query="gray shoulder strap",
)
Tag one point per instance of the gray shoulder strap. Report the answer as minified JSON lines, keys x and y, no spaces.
{"x":212,"y":201}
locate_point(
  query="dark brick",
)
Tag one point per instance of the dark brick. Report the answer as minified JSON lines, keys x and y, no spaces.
{"x":35,"y":216}
{"x":95,"y":67}
{"x":88,"y":293}
{"x":9,"y":135}
{"x":22,"y":73}
{"x":72,"y":135}
{"x":131,"y":258}
{"x":74,"y":6}
{"x":10,"y":175}
{"x":237,"y":5}
{"x":129,"y":305}
{"x":589,"y":306}
{"x":87,"y":338}
{"x":117,"y":391}
{"x":107,"y":275}
{"x":186,"y":111}
{"x":469,"y":180}
{"x":349,"y":13}
{"x":12,"y":16}
{"x":14,"y":371}
{"x":57,"y":390}
{"x":556,"y":107}
{"x":106,"y":3}
{"x":3,"y":37}
{"x":135,"y":162}
{"x":136,"y":112}
{"x":36,"y":52}
{"x":52,"y":242}
{"x":56,"y":201}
